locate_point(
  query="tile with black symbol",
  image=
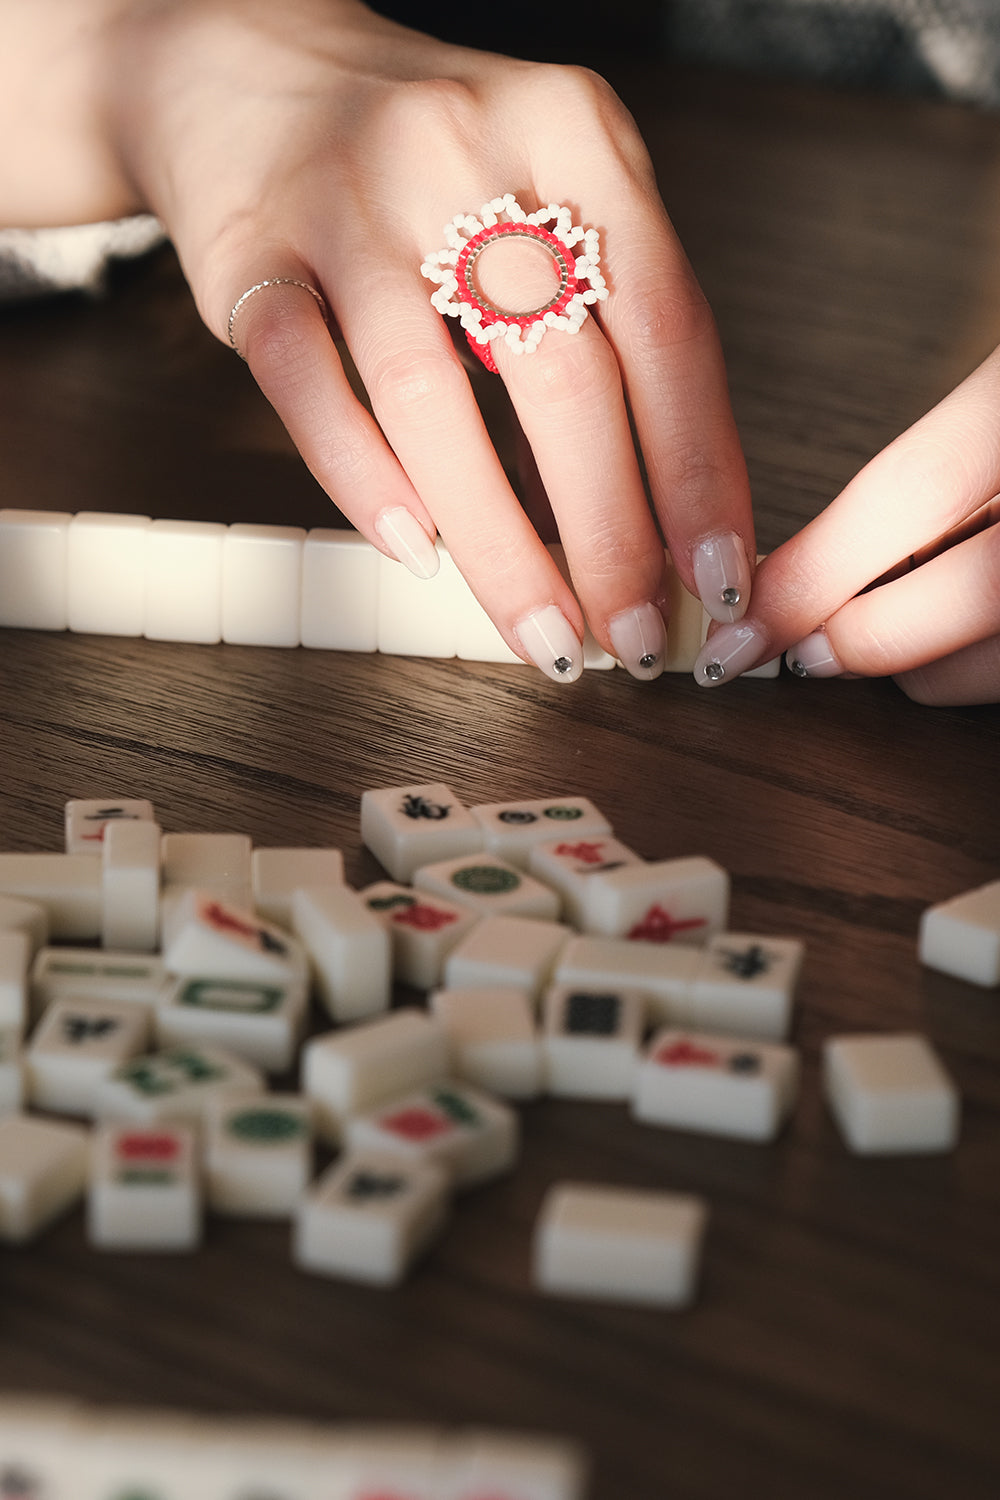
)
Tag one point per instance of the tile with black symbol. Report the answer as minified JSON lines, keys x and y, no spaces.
{"x":214,"y":937}
{"x":145,"y":1188}
{"x":619,"y":1244}
{"x":279,"y":873}
{"x":489,"y":886}
{"x":568,"y":865}
{"x":183,"y":598}
{"x":660,"y":901}
{"x":340,"y":575}
{"x":12,"y":1082}
{"x":492,"y":1038}
{"x":25,"y":916}
{"x":512,"y":829}
{"x":96,"y":974}
{"x":475,"y":1137}
{"x":211,"y":861}
{"x":348,"y":949}
{"x":76,"y":1046}
{"x":33,"y":569}
{"x":890,"y":1094}
{"x":40,"y":1443}
{"x":961,"y":936}
{"x":409,"y":826}
{"x":106,"y":573}
{"x":720,"y":1085}
{"x":15,"y":973}
{"x":423,"y":930}
{"x":591,"y":1041}
{"x":88,"y":818}
{"x":177,"y":1084}
{"x":370,"y":1215}
{"x":745,"y":985}
{"x":262,"y":584}
{"x":43,"y":1173}
{"x":661,"y":972}
{"x":349,"y":1070}
{"x":258,"y":1019}
{"x":258,"y":1155}
{"x":130,"y":886}
{"x":512,"y":1466}
{"x":504,"y":950}
{"x":67,"y":886}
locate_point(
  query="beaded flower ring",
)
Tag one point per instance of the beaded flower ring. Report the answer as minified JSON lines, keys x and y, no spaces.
{"x":579,"y":280}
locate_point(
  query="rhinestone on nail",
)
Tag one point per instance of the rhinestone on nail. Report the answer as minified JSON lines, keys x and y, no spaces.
{"x":562,"y":665}
{"x":715,"y":671}
{"x":799,"y":668}
{"x":731,"y":596}
{"x":649,"y":660}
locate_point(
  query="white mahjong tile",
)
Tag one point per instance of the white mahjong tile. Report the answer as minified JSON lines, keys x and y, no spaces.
{"x":890,"y":1094}
{"x":745,"y":985}
{"x":106,"y":573}
{"x":349,"y":1070}
{"x":212,"y":937}
{"x":183,"y":599}
{"x":43,"y":1172}
{"x":280,"y":1459}
{"x":512,"y":1466}
{"x":96,"y":974}
{"x":492,"y":1036}
{"x":262,"y":584}
{"x":619,"y":1244}
{"x":423,"y":930}
{"x":77,"y":1044}
{"x":409,"y":826}
{"x":88,"y":818}
{"x":340,"y":575}
{"x":591,"y":1041}
{"x":508,"y":950}
{"x":178,"y":1083}
{"x":660,"y":901}
{"x":569,"y":865}
{"x":465,"y":1130}
{"x":349,"y":951}
{"x":279,"y":873}
{"x":512,"y":829}
{"x":687,"y":623}
{"x":40,"y":1442}
{"x":259,"y":1019}
{"x":961,"y":936}
{"x":370,"y":1215}
{"x":33,"y":568}
{"x":393,"y":1463}
{"x":15,"y":971}
{"x":489,"y":886}
{"x":258,"y":1155}
{"x":145,"y":1188}
{"x":209,"y":860}
{"x":661,"y":972}
{"x":12,"y":1081}
{"x":720,"y":1085}
{"x":130,"y":886}
{"x":25,"y":916}
{"x":150,"y":1455}
{"x":68,"y":886}
{"x":420,"y":616}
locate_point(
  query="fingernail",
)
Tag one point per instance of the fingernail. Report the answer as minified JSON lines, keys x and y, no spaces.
{"x":722,"y":575}
{"x":552,"y":643}
{"x":730,"y":651}
{"x":408,"y":542}
{"x":812,"y":657}
{"x":639,"y":637}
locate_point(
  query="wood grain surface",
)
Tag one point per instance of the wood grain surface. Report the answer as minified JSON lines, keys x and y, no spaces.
{"x":845,"y":1339}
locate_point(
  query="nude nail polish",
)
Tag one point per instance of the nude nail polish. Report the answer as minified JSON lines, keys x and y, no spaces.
{"x":813,"y":657}
{"x":552,"y":643}
{"x":639,"y":637}
{"x":722,"y":575}
{"x":408,"y":542}
{"x":730,"y":651}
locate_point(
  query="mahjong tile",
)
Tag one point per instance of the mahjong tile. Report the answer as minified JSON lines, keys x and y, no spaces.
{"x":145,"y":1188}
{"x":660,"y":901}
{"x":423,"y":930}
{"x":348,"y":948}
{"x":890,"y":1094}
{"x":745,"y":985}
{"x":569,"y":865}
{"x":512,"y":829}
{"x":961,"y":936}
{"x":489,"y":886}
{"x":351,"y":1069}
{"x":87,"y":819}
{"x":720,"y":1085}
{"x":591,"y":1040}
{"x":409,"y":826}
{"x":76,"y":1046}
{"x":471,"y":1134}
{"x":43,"y":1172}
{"x":212,"y":938}
{"x":505,"y":950}
{"x":258,"y":1155}
{"x":178,"y":1083}
{"x":492,"y":1037}
{"x":261,"y":1020}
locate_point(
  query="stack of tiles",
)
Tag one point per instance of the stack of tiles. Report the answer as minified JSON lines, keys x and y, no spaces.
{"x":251,"y":585}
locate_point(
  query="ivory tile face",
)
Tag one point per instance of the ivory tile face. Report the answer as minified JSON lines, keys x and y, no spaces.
{"x":719,"y":1085}
{"x":258,"y":1155}
{"x":890,"y":1094}
{"x":145,"y":1191}
{"x":25,"y":916}
{"x":184,"y":581}
{"x":77,"y":1045}
{"x":278,"y":873}
{"x":262,"y":585}
{"x":473,"y":1136}
{"x":260,"y":1020}
{"x":130,"y":886}
{"x":88,"y":818}
{"x":489,"y":886}
{"x":507,"y":950}
{"x":569,"y":865}
{"x":43,"y":1171}
{"x":745,"y":985}
{"x":97,"y":974}
{"x":512,"y":829}
{"x":213,"y":938}
{"x":661,"y":973}
{"x":350,"y":1070}
{"x":15,"y":970}
{"x":348,"y":949}
{"x":962,"y":936}
{"x":591,"y":1040}
{"x":340,"y":576}
{"x":660,"y":901}
{"x":619,"y":1244}
{"x":33,"y":567}
{"x":106,"y":573}
{"x":512,"y":1466}
{"x":492,"y":1038}
{"x":423,"y":930}
{"x":409,"y":826}
{"x":177,"y":1084}
{"x":67,"y":886}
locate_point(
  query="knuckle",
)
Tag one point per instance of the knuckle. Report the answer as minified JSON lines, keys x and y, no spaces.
{"x":665,"y":316}
{"x":414,"y":384}
{"x":569,"y":376}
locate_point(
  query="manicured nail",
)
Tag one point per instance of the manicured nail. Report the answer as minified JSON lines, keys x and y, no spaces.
{"x":730,"y":651}
{"x":722,"y":574}
{"x":639,"y":637}
{"x":812,"y":657}
{"x":408,"y":542}
{"x":552,"y":643}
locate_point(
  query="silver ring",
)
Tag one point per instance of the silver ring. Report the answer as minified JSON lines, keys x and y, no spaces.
{"x":259,"y":287}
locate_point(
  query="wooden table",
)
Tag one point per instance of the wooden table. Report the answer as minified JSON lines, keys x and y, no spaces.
{"x":845,"y":1339}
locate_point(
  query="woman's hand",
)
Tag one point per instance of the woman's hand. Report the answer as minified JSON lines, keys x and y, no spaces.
{"x":899,"y":575}
{"x":315,"y":142}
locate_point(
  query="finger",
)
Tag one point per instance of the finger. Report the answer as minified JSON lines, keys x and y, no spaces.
{"x":282,"y":334}
{"x":927,"y":482}
{"x":950,"y":603}
{"x":971,"y":675}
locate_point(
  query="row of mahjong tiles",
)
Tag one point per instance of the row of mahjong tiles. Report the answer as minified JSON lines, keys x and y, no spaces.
{"x":255,"y":585}
{"x":375,"y":1087}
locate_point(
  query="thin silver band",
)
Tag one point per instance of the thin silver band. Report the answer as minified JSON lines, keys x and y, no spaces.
{"x":259,"y":287}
